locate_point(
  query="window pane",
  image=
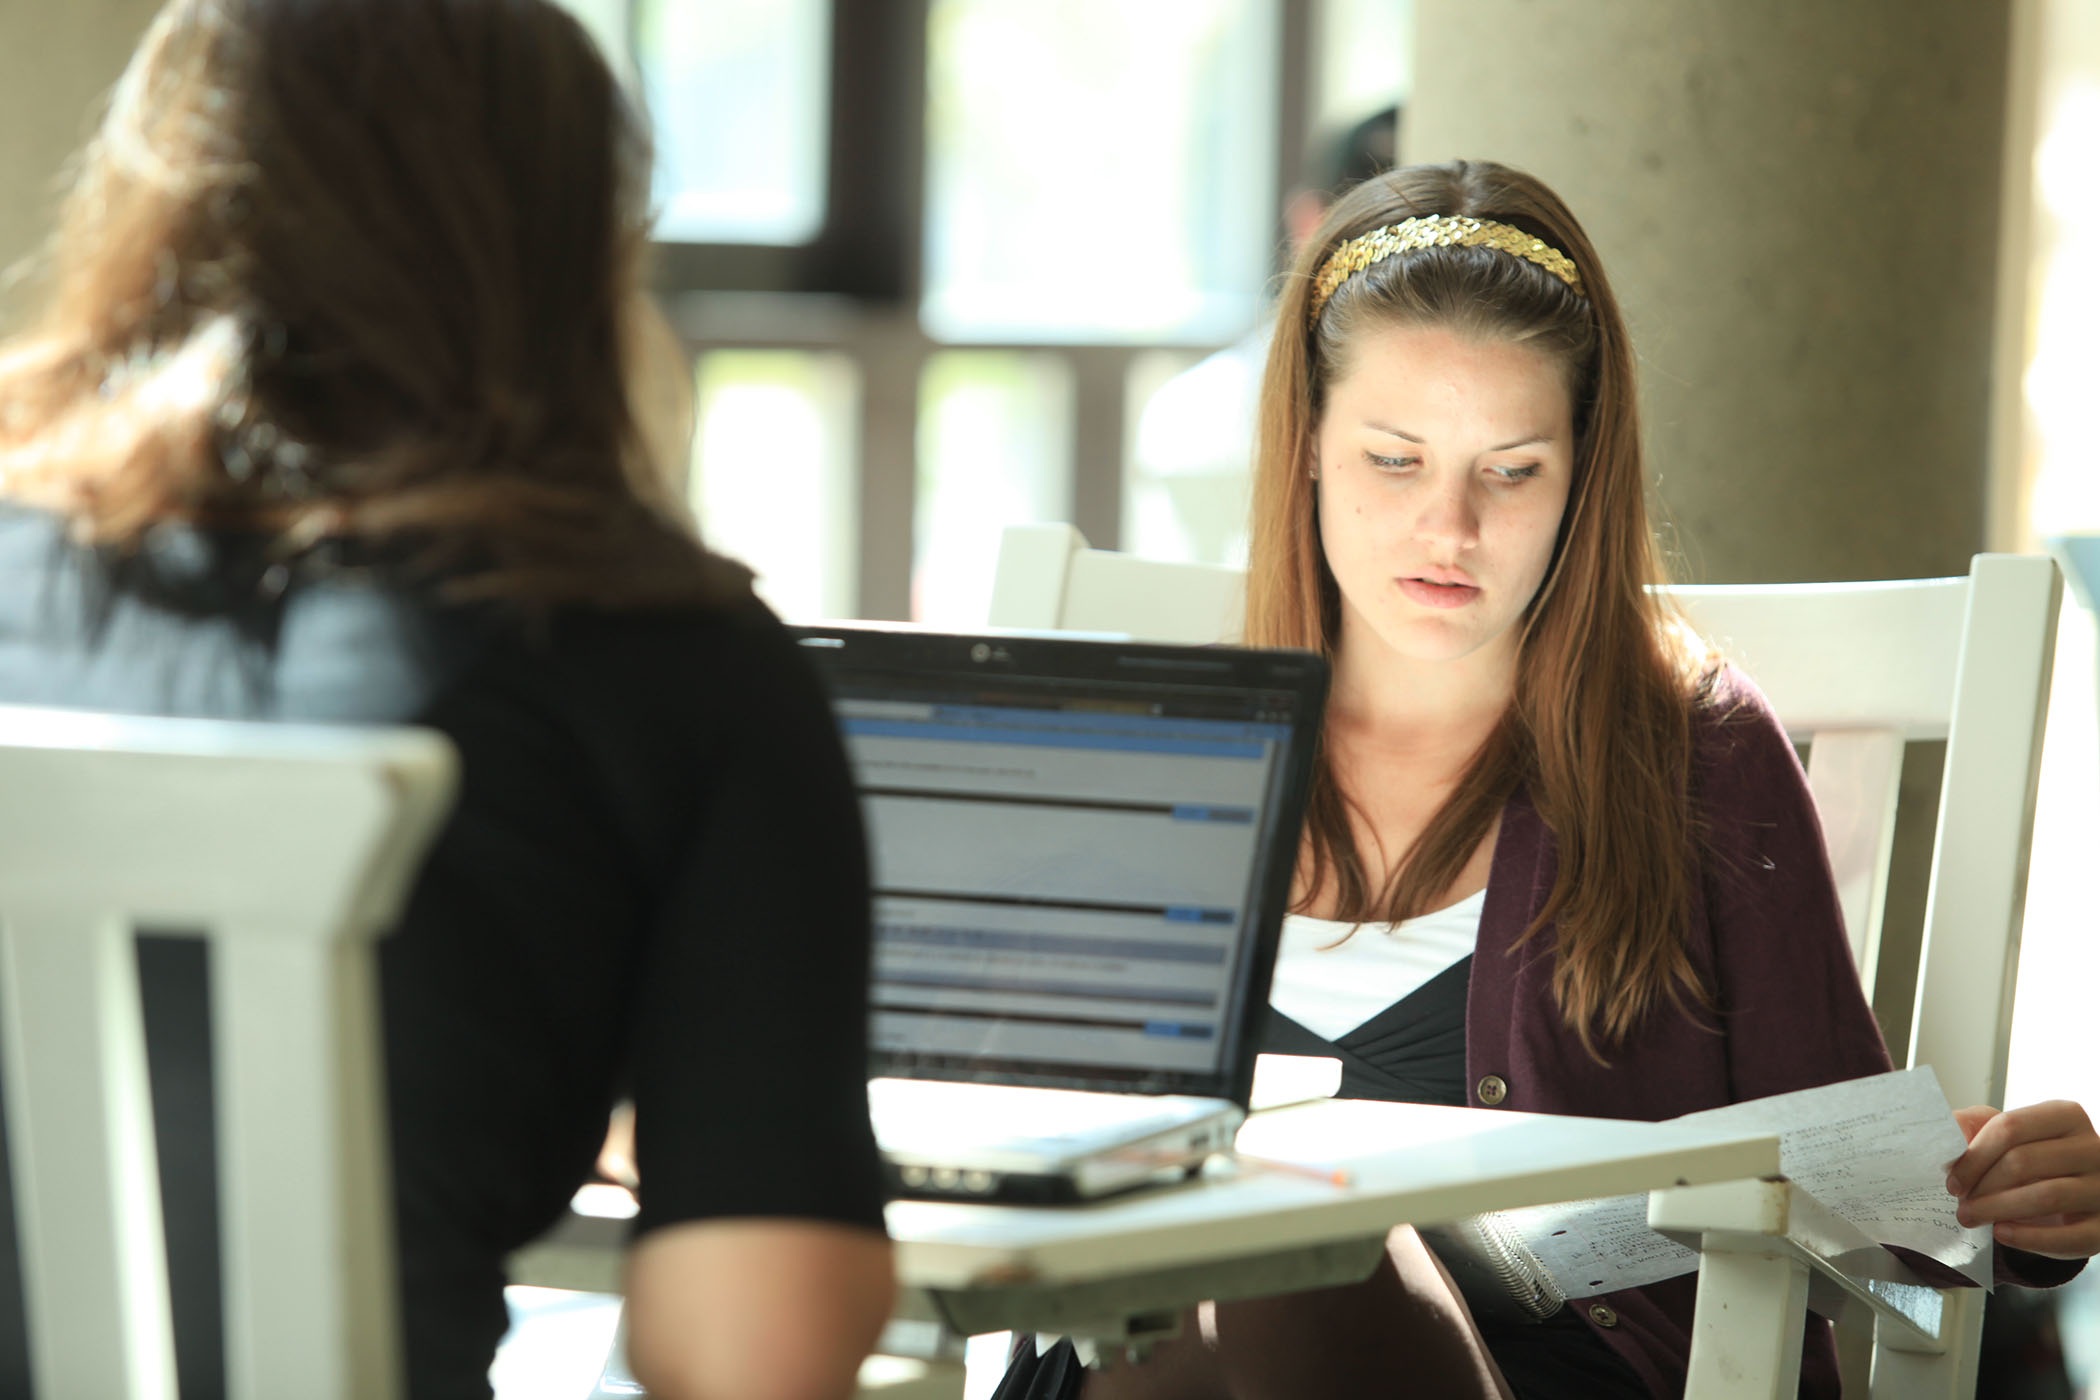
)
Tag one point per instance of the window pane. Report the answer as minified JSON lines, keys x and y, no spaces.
{"x":1098,"y":169}
{"x":740,"y":94}
{"x":994,"y":450}
{"x":2060,"y":377}
{"x":773,"y":480}
{"x":1187,"y":466}
{"x":1367,"y":50}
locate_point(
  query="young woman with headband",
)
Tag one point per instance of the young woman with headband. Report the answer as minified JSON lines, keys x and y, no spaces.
{"x":1558,"y":859}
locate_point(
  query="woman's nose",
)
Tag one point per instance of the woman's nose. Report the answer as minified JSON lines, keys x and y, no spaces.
{"x":1448,"y":518}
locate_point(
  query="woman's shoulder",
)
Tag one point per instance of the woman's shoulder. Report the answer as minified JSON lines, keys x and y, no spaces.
{"x":689,"y":661}
{"x":743,"y":637}
{"x":1724,"y":705}
{"x":696,"y":670}
{"x":1724,"y":698}
{"x":1740,"y":746}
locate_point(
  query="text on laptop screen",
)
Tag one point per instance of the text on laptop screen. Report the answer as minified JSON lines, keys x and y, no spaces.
{"x":1060,"y":880}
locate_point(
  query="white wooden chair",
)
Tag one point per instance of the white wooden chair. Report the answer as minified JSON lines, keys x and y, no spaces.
{"x":1855,"y":670}
{"x":291,"y":849}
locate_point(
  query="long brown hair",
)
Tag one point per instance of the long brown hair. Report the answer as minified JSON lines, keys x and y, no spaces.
{"x":1599,"y":730}
{"x":360,"y":269}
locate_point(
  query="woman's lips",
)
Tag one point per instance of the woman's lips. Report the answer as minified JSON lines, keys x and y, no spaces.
{"x":1439,"y":595}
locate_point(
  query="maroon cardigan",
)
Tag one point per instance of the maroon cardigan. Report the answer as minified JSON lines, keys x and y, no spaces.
{"x":1766,"y":938}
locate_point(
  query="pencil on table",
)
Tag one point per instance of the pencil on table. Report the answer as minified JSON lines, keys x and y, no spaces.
{"x":1333,"y":1176}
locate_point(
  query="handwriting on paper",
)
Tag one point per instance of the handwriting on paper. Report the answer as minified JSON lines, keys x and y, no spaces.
{"x":1874,"y":1151}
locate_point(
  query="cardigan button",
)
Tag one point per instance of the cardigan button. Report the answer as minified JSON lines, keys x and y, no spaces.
{"x":1603,"y":1316}
{"x":1492,"y":1090}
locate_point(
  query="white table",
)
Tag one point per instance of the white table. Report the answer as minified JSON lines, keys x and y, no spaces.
{"x":1118,"y":1274}
{"x":1123,"y":1269}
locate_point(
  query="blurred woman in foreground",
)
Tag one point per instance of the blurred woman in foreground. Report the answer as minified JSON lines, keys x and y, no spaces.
{"x":326,"y":417}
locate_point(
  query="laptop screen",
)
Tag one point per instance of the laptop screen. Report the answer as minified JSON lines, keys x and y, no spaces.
{"x":1080,"y":851}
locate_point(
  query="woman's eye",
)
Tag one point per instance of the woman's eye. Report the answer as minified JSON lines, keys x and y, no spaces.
{"x":1391,"y":464}
{"x":1523,"y":473}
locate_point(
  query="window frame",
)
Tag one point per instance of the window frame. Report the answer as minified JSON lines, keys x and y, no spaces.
{"x":867,"y":246}
{"x":854,"y":289}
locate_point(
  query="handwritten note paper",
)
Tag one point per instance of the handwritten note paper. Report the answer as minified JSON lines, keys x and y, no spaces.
{"x":1875,"y":1151}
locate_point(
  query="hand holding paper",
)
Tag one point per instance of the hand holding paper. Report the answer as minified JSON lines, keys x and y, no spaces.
{"x":1872,"y":1150}
{"x":2033,"y":1174}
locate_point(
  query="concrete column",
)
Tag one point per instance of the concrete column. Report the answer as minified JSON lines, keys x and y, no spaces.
{"x":1799,"y":204}
{"x":56,"y":61}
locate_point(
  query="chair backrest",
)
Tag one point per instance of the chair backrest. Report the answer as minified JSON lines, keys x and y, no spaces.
{"x":290,"y":849}
{"x":1855,"y":670}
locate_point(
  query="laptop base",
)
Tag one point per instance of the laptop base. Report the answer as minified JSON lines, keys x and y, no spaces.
{"x":912,"y":1182}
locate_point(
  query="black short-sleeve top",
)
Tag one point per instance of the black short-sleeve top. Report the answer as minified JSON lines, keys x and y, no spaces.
{"x":654,"y":882}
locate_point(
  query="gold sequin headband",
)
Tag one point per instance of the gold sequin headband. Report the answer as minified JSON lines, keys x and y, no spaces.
{"x":1434,"y":231}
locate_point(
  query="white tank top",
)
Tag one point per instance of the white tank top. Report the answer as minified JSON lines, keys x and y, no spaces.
{"x":1330,"y":981}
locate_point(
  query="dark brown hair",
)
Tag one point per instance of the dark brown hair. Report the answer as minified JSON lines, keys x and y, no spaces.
{"x":1599,"y":730}
{"x":360,"y":269}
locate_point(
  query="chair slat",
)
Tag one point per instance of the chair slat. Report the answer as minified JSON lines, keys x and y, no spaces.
{"x":1856,"y":776}
{"x":81,"y":1151}
{"x":1963,"y":1022}
{"x":1842,"y":655}
{"x":1028,"y":588}
{"x":305,"y":1213}
{"x":290,"y":848}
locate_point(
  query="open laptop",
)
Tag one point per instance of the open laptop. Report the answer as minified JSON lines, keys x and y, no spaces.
{"x":1082,"y":850}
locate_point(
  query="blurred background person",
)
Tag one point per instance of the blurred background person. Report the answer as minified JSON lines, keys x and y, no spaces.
{"x":1193,"y":463}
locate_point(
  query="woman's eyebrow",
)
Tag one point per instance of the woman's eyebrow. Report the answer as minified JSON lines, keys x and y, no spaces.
{"x":1541,"y":439}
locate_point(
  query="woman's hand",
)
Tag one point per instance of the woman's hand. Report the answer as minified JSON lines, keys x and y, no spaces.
{"x":2033,"y":1175}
